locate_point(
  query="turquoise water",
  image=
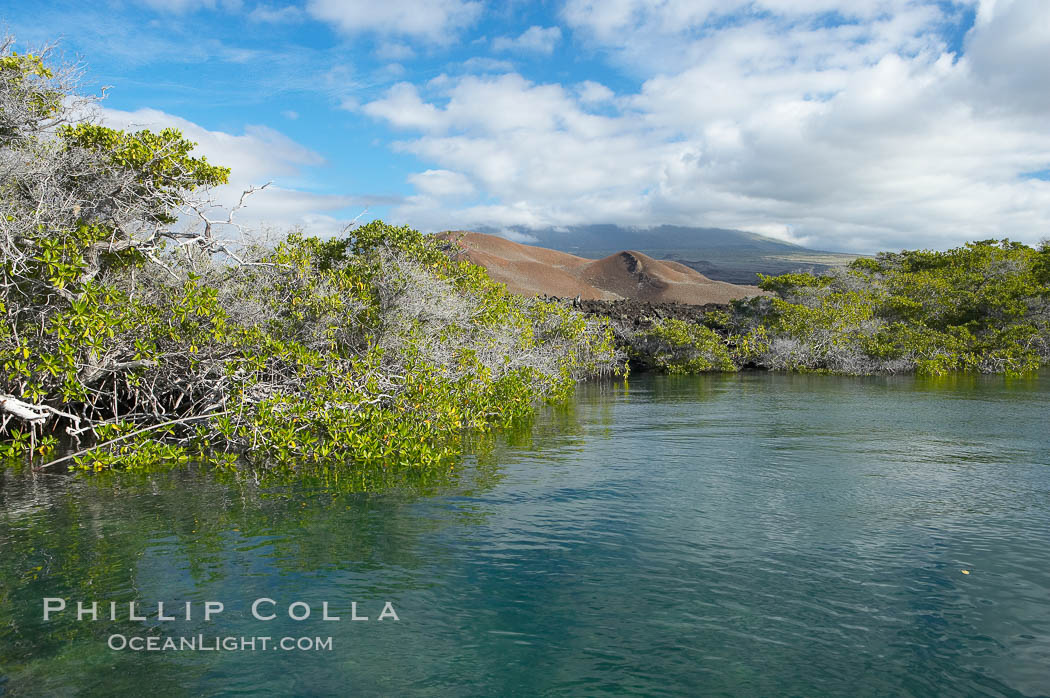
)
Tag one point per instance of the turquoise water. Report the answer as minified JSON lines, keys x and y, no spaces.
{"x":731,"y":535}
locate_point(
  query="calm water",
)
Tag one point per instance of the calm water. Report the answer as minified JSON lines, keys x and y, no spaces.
{"x":743,"y":535}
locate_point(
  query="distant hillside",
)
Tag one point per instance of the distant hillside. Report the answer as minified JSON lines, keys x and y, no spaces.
{"x":533,"y":270}
{"x":720,"y":254}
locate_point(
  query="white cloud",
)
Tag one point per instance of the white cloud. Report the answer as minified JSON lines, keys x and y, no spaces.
{"x":289,"y":14}
{"x":433,"y":20}
{"x":494,"y":104}
{"x":536,"y":39}
{"x":673,"y":35}
{"x":864,"y":134}
{"x":593,"y":92}
{"x":484,"y":64}
{"x":515,"y":236}
{"x":778,"y":231}
{"x":404,"y":108}
{"x":442,"y":183}
{"x":1010,"y":53}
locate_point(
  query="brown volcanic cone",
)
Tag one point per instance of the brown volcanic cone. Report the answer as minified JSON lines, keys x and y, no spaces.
{"x":531,"y":271}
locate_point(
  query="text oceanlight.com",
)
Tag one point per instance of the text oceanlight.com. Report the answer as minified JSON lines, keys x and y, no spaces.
{"x":201,"y":643}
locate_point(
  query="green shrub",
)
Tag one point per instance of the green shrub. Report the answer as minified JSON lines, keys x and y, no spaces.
{"x":158,"y":343}
{"x":981,"y":307}
{"x":676,"y":346}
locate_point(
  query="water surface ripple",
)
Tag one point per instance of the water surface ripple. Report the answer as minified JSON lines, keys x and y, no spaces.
{"x":726,"y":535}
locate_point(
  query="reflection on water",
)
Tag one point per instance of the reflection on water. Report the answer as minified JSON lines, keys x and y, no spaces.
{"x":754,"y":534}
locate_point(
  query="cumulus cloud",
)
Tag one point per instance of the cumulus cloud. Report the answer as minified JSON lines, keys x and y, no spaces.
{"x":432,"y":20}
{"x":442,"y":183}
{"x":1009,"y":52}
{"x":591,"y":92}
{"x":404,"y":108}
{"x":536,"y":39}
{"x":485,"y":64}
{"x":844,"y":125}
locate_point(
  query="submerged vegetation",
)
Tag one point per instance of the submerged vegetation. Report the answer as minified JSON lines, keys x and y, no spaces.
{"x":155,"y":341}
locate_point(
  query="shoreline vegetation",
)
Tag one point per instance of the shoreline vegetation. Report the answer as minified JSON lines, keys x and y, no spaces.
{"x":145,"y":341}
{"x":983,"y":307}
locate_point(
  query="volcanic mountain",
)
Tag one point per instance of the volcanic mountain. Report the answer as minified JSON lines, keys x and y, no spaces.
{"x":529,"y":270}
{"x":720,"y":254}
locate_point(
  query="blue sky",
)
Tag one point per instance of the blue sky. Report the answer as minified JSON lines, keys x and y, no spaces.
{"x":856,"y":125}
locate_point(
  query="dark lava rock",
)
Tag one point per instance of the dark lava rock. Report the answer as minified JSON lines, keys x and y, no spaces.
{"x":641,"y":314}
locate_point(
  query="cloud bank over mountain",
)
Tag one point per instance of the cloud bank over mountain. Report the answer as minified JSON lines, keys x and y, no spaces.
{"x":850,"y":125}
{"x":839,"y":125}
